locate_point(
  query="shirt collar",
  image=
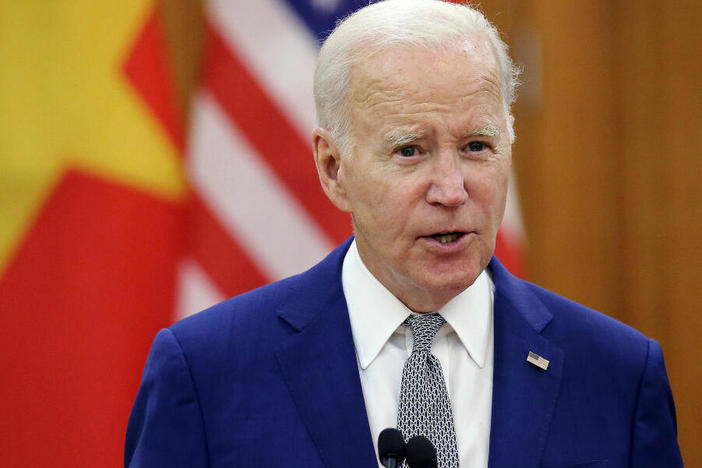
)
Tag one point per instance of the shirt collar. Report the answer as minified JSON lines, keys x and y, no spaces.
{"x":470,"y":315}
{"x":375,"y":313}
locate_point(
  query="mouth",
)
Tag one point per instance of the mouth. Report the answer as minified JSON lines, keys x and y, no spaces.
{"x":447,"y":237}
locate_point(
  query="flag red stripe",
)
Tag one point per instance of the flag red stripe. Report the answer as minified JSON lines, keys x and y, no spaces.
{"x":220,"y":256}
{"x":510,"y":253}
{"x":269,"y":132}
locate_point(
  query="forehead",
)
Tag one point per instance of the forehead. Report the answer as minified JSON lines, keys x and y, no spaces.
{"x":465,"y":69}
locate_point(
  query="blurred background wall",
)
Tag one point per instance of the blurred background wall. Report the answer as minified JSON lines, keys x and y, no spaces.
{"x":610,"y":153}
{"x":97,"y":179}
{"x":608,"y":157}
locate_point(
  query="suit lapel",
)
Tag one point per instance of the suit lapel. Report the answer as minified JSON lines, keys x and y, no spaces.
{"x":319,"y":366}
{"x":524,"y":395}
{"x":320,"y":369}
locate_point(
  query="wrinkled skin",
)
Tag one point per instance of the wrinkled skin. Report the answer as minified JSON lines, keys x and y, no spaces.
{"x":431,"y":155}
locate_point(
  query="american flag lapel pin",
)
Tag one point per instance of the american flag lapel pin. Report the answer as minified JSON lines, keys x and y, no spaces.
{"x":538,"y":361}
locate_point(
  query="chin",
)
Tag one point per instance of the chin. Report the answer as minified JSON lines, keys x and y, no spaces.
{"x":443,"y":288}
{"x":456,"y":275}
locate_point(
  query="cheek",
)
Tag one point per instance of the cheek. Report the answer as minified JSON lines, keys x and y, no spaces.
{"x":388,"y":209}
{"x":383,"y":192}
{"x":489,"y":189}
{"x":359,"y":191}
{"x":367,"y":199}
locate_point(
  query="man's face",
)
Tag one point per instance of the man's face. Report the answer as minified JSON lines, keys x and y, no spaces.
{"x":427,"y":177}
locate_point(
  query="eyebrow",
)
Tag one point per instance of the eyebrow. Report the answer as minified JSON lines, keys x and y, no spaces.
{"x":402,"y":137}
{"x":399,"y":137}
{"x":486,"y":131}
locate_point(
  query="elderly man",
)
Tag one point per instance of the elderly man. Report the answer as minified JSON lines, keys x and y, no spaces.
{"x":412,"y":323}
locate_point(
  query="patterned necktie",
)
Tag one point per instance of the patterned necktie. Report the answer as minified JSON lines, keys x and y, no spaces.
{"x":425,"y":408}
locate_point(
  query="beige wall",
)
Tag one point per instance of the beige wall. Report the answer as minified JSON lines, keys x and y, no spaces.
{"x":607,"y":159}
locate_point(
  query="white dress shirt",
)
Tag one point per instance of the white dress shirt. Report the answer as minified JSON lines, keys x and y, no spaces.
{"x":463,"y":345}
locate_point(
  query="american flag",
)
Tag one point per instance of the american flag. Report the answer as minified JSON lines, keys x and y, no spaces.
{"x":257,"y":211}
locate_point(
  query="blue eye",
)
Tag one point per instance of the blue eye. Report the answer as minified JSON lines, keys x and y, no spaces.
{"x":408,"y":151}
{"x":476,"y":146}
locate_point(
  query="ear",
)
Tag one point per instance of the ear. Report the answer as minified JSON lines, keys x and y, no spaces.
{"x":327,"y":158}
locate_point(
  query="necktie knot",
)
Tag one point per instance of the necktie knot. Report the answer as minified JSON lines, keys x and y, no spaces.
{"x":424,"y":328}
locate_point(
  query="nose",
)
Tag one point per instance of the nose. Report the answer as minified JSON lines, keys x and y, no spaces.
{"x":447,"y":182}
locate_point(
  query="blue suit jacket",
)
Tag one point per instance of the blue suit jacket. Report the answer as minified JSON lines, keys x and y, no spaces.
{"x":270,"y":379}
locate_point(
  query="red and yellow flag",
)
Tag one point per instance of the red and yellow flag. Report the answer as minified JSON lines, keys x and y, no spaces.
{"x":91,"y":189}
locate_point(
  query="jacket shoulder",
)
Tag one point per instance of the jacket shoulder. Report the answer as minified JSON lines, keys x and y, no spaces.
{"x":253,"y":318}
{"x":571,"y":317}
{"x":596,"y":344}
{"x":250,"y":316}
{"x":596,"y":338}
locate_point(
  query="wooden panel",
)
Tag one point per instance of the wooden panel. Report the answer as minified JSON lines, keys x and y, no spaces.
{"x":571,"y":232}
{"x":608,"y":160}
{"x":661,"y":145}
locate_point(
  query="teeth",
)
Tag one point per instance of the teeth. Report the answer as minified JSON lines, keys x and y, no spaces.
{"x":446,"y":238}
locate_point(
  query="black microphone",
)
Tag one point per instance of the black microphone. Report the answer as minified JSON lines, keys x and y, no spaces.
{"x":391,"y":448}
{"x":421,"y":453}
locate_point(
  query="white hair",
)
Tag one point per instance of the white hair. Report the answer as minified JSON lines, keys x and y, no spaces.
{"x":431,"y":24}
